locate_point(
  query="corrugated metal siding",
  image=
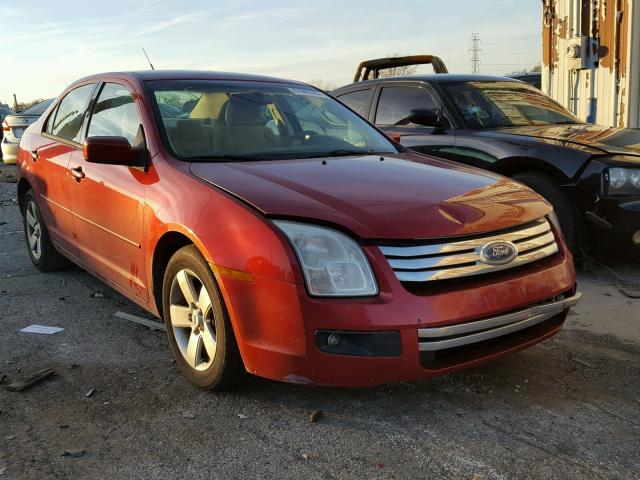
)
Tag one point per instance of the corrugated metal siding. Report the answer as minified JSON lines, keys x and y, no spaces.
{"x":603,"y":84}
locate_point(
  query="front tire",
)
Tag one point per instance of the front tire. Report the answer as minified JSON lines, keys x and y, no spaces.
{"x":41,"y":250}
{"x":198,"y":325}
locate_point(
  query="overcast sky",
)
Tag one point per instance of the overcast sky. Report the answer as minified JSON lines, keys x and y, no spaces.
{"x":48,"y":44}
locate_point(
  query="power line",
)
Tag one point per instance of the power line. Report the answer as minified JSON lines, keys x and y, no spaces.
{"x":501,"y":64}
{"x":509,"y":42}
{"x":475,"y":50}
{"x":511,"y":53}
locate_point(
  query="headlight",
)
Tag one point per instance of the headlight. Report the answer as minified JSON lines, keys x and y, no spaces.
{"x":333,"y":264}
{"x":622,"y":181}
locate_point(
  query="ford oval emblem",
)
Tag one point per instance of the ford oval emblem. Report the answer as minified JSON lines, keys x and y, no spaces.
{"x":498,"y":253}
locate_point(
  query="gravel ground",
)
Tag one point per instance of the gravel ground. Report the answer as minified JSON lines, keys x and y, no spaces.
{"x":566,"y":408}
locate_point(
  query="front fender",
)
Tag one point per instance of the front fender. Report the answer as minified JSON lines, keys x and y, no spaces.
{"x":228,"y":233}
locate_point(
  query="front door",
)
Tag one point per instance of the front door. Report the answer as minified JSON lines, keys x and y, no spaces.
{"x":108,"y":200}
{"x":395,"y":100}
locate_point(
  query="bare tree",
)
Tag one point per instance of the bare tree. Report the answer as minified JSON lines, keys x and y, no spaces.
{"x":326,"y":85}
{"x":398,"y":71}
{"x":535,"y":69}
{"x":22,"y":106}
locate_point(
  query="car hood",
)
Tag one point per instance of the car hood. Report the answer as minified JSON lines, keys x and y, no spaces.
{"x":614,"y":141}
{"x":401,"y":197}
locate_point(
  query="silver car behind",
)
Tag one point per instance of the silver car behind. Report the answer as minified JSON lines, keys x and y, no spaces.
{"x":14,"y":125}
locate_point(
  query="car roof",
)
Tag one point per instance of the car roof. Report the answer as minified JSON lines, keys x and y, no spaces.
{"x":525,"y":75}
{"x":436,"y":78}
{"x":186,"y":75}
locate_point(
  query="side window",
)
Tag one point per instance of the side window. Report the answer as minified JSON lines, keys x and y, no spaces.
{"x":70,"y":113}
{"x":358,"y":101}
{"x":114,"y":114}
{"x":396,"y":102}
{"x":48,"y":128}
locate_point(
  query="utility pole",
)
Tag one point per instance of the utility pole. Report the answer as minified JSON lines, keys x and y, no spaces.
{"x":15,"y":103}
{"x":474,"y":51}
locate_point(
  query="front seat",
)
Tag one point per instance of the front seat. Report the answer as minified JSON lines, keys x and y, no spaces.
{"x":245,"y":130}
{"x":191,"y":138}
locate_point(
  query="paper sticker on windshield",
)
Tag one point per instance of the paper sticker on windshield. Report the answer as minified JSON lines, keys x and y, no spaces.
{"x":307,"y":92}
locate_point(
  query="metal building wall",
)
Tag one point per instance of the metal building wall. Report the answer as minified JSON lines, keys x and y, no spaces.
{"x":591,"y":58}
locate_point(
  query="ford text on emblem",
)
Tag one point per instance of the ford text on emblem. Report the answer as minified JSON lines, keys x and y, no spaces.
{"x":498,"y":253}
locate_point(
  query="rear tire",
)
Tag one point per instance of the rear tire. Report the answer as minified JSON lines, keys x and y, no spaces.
{"x":41,"y":250}
{"x":561,"y":202}
{"x":198,"y":325}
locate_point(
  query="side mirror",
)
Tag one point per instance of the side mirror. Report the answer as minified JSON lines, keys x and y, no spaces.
{"x":112,"y":151}
{"x":395,"y":136}
{"x":427,"y":117}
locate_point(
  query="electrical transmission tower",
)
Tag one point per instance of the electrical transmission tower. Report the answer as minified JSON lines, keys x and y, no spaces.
{"x":474,"y":51}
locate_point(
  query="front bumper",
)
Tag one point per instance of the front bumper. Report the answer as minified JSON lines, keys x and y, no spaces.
{"x":616,"y":223}
{"x":278,"y":325}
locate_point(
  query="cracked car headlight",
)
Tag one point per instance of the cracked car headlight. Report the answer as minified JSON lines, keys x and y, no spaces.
{"x":621,"y":181}
{"x":332,"y":263}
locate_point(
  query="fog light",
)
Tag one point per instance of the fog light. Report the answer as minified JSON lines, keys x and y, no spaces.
{"x":333,"y":340}
{"x":362,"y":344}
{"x":636,"y":238}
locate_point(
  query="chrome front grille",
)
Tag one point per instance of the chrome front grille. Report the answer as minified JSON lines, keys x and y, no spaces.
{"x":441,"y":261}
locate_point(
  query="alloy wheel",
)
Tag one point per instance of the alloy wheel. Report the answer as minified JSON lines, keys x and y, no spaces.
{"x":192,"y":320}
{"x":34,"y":230}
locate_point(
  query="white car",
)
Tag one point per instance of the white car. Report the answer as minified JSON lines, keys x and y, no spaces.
{"x":14,"y":125}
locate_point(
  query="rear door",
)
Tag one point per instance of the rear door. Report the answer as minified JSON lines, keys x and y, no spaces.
{"x":392,"y":105}
{"x":108,"y":200}
{"x":49,"y":162}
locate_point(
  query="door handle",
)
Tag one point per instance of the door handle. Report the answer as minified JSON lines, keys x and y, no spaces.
{"x":77,"y":173}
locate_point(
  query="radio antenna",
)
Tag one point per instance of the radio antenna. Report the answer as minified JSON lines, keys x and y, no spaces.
{"x":145,"y":54}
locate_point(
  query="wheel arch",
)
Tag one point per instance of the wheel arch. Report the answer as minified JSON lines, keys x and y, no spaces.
{"x":514,"y":165}
{"x":23,"y":187}
{"x":168,"y":244}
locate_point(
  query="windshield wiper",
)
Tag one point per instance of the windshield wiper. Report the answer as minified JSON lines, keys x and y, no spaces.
{"x":224,"y":158}
{"x":345,"y":153}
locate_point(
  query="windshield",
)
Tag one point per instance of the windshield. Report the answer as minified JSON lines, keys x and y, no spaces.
{"x":37,"y":109}
{"x":498,"y":104}
{"x":220,"y":120}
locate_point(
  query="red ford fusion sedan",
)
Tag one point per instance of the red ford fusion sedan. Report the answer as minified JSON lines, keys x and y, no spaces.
{"x":277,"y":232}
